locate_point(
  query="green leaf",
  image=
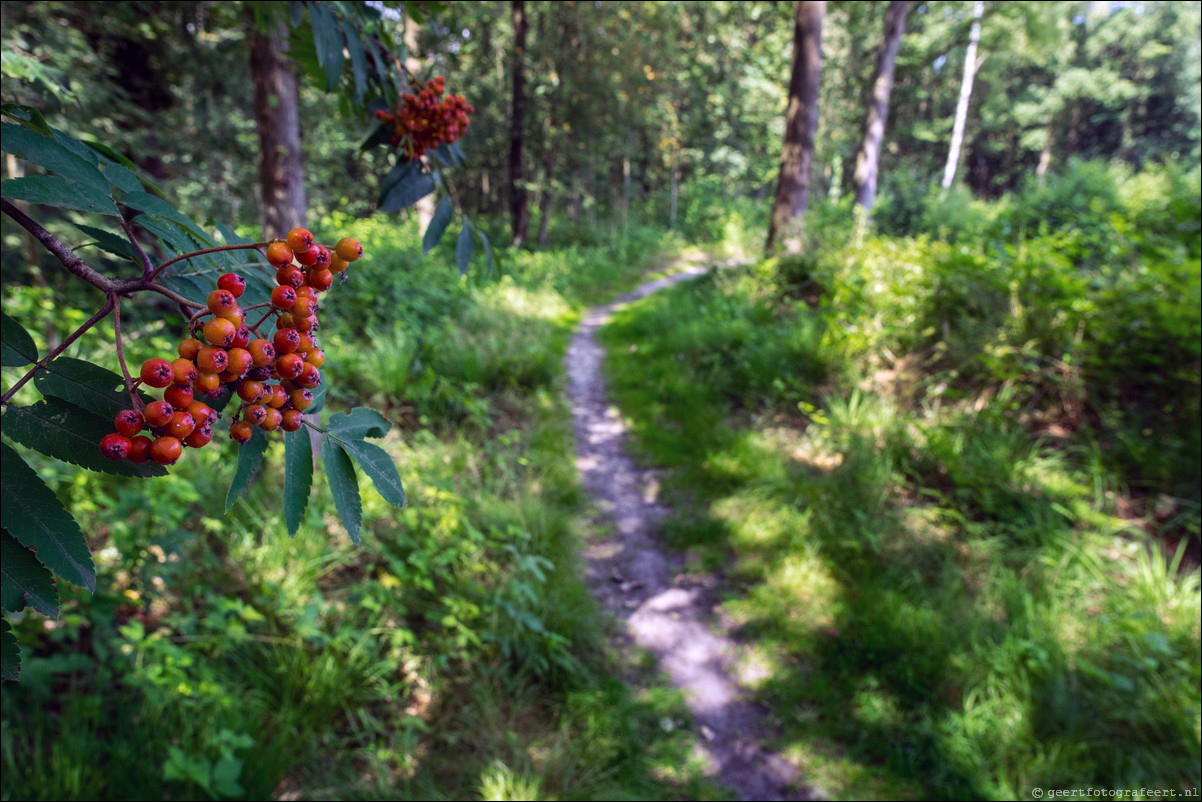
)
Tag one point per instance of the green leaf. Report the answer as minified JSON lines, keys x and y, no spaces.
{"x":54,"y":190}
{"x":85,"y":385}
{"x":298,"y":476}
{"x":23,"y":580}
{"x":487,"y":249}
{"x":44,"y":150}
{"x":463,"y":249}
{"x":16,"y":346}
{"x":31,"y":512}
{"x":438,"y":225}
{"x":110,"y":154}
{"x":108,"y":241}
{"x":328,"y":39}
{"x":27,"y":114}
{"x":376,"y":463}
{"x":404,"y":186}
{"x":62,"y":430}
{"x":344,"y":486}
{"x":380,"y":135}
{"x":10,"y":653}
{"x":122,"y":177}
{"x":360,"y":422}
{"x":250,"y":457}
{"x":154,"y":205}
{"x":358,"y":62}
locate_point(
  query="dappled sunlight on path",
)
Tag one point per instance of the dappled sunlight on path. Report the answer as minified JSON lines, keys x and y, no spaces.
{"x":663,"y":610}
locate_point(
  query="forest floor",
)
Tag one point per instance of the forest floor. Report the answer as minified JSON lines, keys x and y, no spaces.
{"x":662,"y":608}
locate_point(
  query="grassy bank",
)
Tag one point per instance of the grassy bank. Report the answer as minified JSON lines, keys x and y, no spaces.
{"x":952,"y":483}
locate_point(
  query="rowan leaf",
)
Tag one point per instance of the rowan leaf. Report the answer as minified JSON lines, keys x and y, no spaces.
{"x":344,"y":486}
{"x":32,"y":514}
{"x":24,"y":580}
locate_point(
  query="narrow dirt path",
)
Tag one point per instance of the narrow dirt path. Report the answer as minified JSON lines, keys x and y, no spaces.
{"x":661,"y":609}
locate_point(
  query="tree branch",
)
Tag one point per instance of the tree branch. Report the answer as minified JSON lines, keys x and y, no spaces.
{"x":65,"y":255}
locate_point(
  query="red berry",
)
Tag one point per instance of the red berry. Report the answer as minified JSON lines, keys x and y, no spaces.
{"x":178,"y":397}
{"x":232,"y":283}
{"x":202,"y":413}
{"x":212,"y":359}
{"x":129,"y":422}
{"x":290,"y":366}
{"x":301,"y":399}
{"x":289,"y":276}
{"x":283,"y":297}
{"x":115,"y":446}
{"x":241,"y":337}
{"x":158,"y":413}
{"x":181,"y":425}
{"x":292,"y":420}
{"x":166,"y":450}
{"x":139,"y":449}
{"x":321,"y":280}
{"x":308,"y":257}
{"x":255,"y":414}
{"x":157,"y":372}
{"x":241,"y":431}
{"x":199,"y":438}
{"x":286,"y":341}
{"x":310,"y":376}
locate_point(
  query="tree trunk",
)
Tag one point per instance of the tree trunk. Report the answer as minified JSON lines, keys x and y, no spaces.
{"x":519,"y":207}
{"x":970,"y":71}
{"x":281,"y":167}
{"x":801,"y":126}
{"x":868,"y":162}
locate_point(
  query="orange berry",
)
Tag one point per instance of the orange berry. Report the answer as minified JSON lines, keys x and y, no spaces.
{"x":184,"y":372}
{"x":212,"y":359}
{"x":349,"y":249}
{"x":241,"y":431}
{"x":158,"y":413}
{"x":299,"y":239}
{"x":279,"y":254}
{"x":188,"y":349}
{"x":220,"y":331}
{"x":166,"y":450}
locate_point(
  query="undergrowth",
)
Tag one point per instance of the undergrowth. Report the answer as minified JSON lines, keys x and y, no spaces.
{"x":953,"y":484}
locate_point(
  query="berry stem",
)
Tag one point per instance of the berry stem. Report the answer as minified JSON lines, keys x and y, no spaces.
{"x":100,"y":315}
{"x":129,"y":380}
{"x":262,"y":320}
{"x":147,"y":266}
{"x":218,"y":249}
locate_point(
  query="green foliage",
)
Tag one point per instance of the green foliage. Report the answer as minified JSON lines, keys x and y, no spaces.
{"x":942,"y":485}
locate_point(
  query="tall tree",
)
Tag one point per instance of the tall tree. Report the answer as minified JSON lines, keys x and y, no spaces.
{"x":519,"y":207}
{"x":281,"y":167}
{"x":868,"y":161}
{"x":801,"y":126}
{"x":970,"y":70}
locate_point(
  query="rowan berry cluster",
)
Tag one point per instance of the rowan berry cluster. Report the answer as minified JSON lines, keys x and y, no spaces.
{"x":422,"y":121}
{"x":225,"y":352}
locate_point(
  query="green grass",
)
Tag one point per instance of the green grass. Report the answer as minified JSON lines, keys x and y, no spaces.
{"x":947,"y":605}
{"x":456,"y":654}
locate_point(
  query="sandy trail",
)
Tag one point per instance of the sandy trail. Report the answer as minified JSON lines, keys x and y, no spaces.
{"x":661,"y":609}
